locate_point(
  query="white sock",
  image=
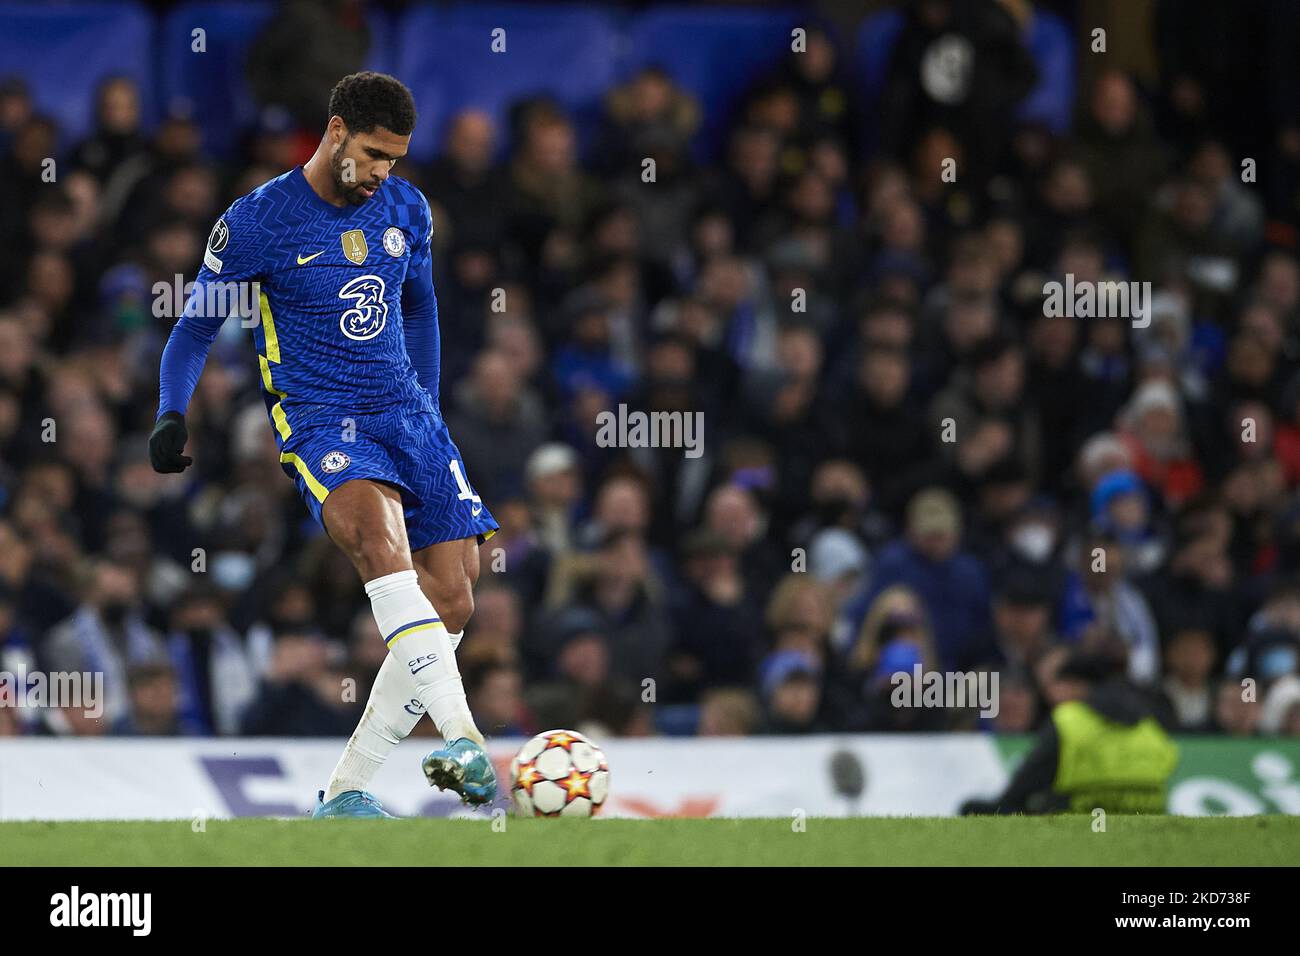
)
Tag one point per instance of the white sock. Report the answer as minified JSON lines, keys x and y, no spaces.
{"x":419,"y":641}
{"x":391,"y":714}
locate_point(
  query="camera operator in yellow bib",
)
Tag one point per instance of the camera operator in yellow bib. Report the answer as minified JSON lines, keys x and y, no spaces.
{"x":1106,"y":746}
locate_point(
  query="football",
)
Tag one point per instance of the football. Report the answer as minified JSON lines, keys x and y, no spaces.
{"x":559,"y":773}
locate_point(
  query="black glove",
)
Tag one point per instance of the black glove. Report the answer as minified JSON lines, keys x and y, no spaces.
{"x":167,"y":442}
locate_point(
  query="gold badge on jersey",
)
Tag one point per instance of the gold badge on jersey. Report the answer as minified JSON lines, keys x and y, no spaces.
{"x":354,"y":245}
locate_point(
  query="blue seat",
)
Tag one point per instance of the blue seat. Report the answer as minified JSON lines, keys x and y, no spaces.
{"x":212,"y":83}
{"x":678,"y":720}
{"x":876,"y":38}
{"x":715,"y":53}
{"x":64,"y":52}
{"x":383,"y":38}
{"x":1052,"y":101}
{"x":1049,"y":41}
{"x":445,"y":56}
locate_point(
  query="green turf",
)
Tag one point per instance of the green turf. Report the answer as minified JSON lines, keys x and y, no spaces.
{"x":1065,"y":841}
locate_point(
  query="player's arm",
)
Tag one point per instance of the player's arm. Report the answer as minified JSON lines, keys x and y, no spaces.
{"x":191,"y":337}
{"x":420,"y":309}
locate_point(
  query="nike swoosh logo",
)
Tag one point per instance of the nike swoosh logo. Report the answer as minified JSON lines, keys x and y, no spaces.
{"x":302,"y":259}
{"x":476,"y":511}
{"x":423,"y":666}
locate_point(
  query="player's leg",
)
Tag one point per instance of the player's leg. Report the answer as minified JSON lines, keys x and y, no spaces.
{"x":365,"y":519}
{"x":448,"y":572}
{"x":444,"y":521}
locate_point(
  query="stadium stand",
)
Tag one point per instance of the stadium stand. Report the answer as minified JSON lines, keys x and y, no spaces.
{"x":799,"y":272}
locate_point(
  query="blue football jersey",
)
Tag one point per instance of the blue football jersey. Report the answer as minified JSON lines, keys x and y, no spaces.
{"x":330,"y":340}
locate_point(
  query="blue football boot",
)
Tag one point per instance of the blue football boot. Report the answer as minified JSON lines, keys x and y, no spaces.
{"x":464,"y":767}
{"x":349,"y":803}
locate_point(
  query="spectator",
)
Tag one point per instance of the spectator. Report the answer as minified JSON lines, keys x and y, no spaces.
{"x":803,"y":274}
{"x":1120,"y":509}
{"x":1102,"y":610}
{"x":1120,"y":151}
{"x":304,"y":49}
{"x":715,"y":622}
{"x":1189,"y":656}
{"x":728,"y":712}
{"x":975,"y":101}
{"x":301,"y":695}
{"x":214,"y":674}
{"x":791,"y":684}
{"x":502,"y":423}
{"x":1234,"y":715}
{"x":734,"y":514}
{"x":1022,"y":618}
{"x":555,"y":487}
{"x":616,"y":584}
{"x":155,"y":698}
{"x":1154,"y":434}
{"x":496,"y":700}
{"x":107,"y":634}
{"x":952,"y":584}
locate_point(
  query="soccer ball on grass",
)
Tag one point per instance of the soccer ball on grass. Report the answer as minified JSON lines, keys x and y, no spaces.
{"x":559,"y":773}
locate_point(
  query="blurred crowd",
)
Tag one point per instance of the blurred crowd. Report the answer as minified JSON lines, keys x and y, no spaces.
{"x":907,"y":463}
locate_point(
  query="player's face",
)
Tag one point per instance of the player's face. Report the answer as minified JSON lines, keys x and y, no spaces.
{"x":362,"y":161}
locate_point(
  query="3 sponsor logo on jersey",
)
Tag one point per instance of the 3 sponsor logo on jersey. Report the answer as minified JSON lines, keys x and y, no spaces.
{"x":369,"y":312}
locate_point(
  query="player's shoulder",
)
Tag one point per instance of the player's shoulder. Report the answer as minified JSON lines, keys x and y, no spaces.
{"x":403,"y":190}
{"x":257,"y":201}
{"x":403,"y":194}
{"x":238,"y":234}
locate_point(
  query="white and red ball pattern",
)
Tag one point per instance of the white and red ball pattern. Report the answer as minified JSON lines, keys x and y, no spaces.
{"x":559,"y":773}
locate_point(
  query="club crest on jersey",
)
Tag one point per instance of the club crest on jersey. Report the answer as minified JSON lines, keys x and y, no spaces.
{"x":394,"y":242}
{"x":334,"y":461}
{"x":354,"y":246}
{"x":369,"y":311}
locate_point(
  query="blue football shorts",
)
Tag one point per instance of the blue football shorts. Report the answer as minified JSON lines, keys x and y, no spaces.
{"x":411,"y":451}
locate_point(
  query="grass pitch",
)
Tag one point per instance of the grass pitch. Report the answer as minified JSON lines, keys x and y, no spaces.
{"x":984,"y":841}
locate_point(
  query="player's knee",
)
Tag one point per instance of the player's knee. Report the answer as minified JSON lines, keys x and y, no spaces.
{"x":374,"y":555}
{"x":455,"y":605}
{"x":366,"y":524}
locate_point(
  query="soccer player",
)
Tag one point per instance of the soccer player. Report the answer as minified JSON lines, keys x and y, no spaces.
{"x":347,"y":344}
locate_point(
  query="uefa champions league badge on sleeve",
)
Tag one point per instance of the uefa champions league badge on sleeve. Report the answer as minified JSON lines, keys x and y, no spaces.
{"x":217,"y":240}
{"x":394,"y":242}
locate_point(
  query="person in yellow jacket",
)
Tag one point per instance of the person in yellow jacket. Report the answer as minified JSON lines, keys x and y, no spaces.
{"x":1106,"y":746}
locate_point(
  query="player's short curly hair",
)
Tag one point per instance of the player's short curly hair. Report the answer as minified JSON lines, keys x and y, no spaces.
{"x":369,"y":100}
